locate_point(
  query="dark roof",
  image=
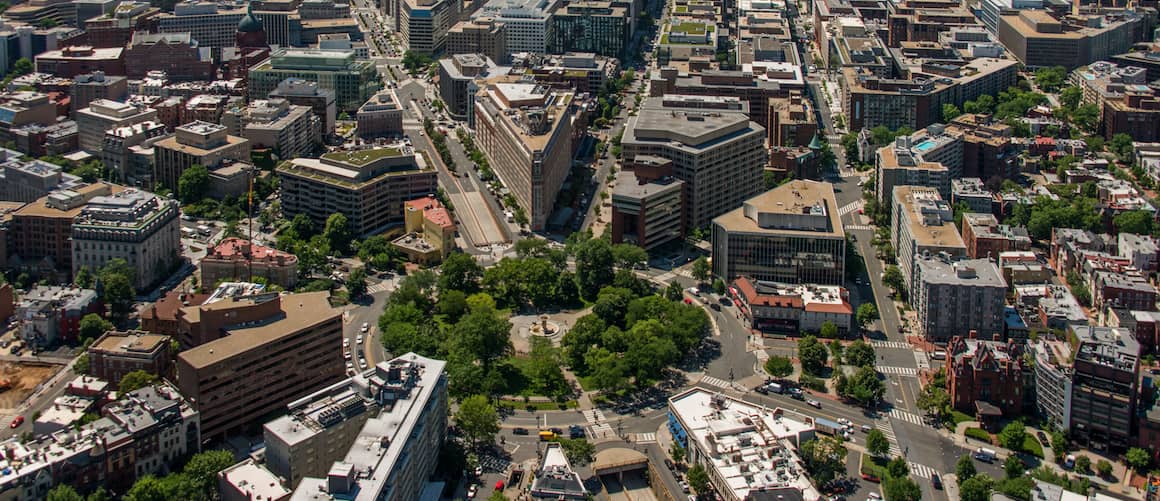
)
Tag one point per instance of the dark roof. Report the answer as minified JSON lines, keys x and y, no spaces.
{"x":986,"y":409}
{"x":250,"y":23}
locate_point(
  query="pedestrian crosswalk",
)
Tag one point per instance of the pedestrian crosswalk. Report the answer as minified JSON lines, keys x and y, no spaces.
{"x":900,"y":345}
{"x":602,"y":430}
{"x":862,"y":227}
{"x":921,"y":360}
{"x":850,"y":207}
{"x":379,"y":287}
{"x":645,"y":438}
{"x":716,"y":381}
{"x":921,"y":470}
{"x":898,"y":371}
{"x":885,"y":427}
{"x":594,"y":416}
{"x":909,"y":417}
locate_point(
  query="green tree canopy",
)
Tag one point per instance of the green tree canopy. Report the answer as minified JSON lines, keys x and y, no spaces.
{"x":1138,"y":458}
{"x":1136,"y":221}
{"x":193,"y":184}
{"x":964,"y":468}
{"x":813,"y":355}
{"x":460,"y":271}
{"x":864,"y":387}
{"x":134,"y":381}
{"x":477,"y":419}
{"x":975,"y":488}
{"x":701,"y":269}
{"x":860,"y":353}
{"x":877,"y":443}
{"x":778,"y":366}
{"x":867,"y":313}
{"x":1013,"y":435}
{"x":92,"y":326}
{"x":698,"y":479}
{"x":337,"y":233}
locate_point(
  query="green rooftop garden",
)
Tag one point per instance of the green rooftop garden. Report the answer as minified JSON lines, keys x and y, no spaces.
{"x":689,"y":27}
{"x":362,"y":157}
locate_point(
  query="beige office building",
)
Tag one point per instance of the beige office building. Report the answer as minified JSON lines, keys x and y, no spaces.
{"x":290,"y":130}
{"x":274,"y":350}
{"x":102,"y":115}
{"x":922,"y":224}
{"x":790,"y":234}
{"x":203,"y":143}
{"x":136,"y":226}
{"x":527,"y":132}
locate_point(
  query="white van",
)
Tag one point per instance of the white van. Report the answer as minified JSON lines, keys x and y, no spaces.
{"x":985,"y":455}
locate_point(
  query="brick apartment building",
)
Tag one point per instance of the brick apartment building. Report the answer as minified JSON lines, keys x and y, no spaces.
{"x":985,"y":371}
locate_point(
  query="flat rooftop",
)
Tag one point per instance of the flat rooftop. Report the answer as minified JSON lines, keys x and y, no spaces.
{"x":921,"y":208}
{"x":795,"y":208}
{"x":299,"y":312}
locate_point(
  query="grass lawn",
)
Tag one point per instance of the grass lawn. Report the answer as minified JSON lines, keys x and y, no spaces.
{"x":689,"y":27}
{"x":981,"y":434}
{"x":873,"y":466}
{"x":957,"y":417}
{"x":540,"y":406}
{"x":1032,"y":446}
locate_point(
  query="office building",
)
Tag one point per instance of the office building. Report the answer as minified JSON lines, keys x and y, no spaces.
{"x":1039,"y":39}
{"x":985,"y":370}
{"x":579,"y":71}
{"x":202,"y":143}
{"x":26,"y":108}
{"x":430,"y":231}
{"x":457,"y":87}
{"x":270,"y":350}
{"x":527,"y":132}
{"x":395,"y":452}
{"x":218,"y":29}
{"x":118,"y":353}
{"x":790,"y":234}
{"x":136,"y":226}
{"x":289,"y":130}
{"x":921,"y":224}
{"x":480,"y":35}
{"x":161,"y":316}
{"x":1135,"y":114}
{"x":990,"y":10}
{"x":301,"y":92}
{"x":236,"y":259}
{"x":77,"y":60}
{"x":177,"y":54}
{"x":352,"y":81}
{"x":423,"y":24}
{"x":953,"y":298}
{"x":601,"y":27}
{"x":783,"y":309}
{"x":50,"y":315}
{"x":40,"y":233}
{"x":1104,"y":387}
{"x":1149,"y":59}
{"x":381,"y":116}
{"x":749,"y":451}
{"x":368,"y":186}
{"x":26,"y":179}
{"x":755,"y":87}
{"x":715,"y":149}
{"x":101,"y":115}
{"x":89,"y":87}
{"x":528,"y":22}
{"x":985,"y":238}
{"x":792,"y":120}
{"x":119,"y":151}
{"x":647,"y":203}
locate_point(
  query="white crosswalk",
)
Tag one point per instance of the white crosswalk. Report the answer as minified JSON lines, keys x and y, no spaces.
{"x":594,"y":416}
{"x":645,"y":438}
{"x":888,"y":431}
{"x":921,"y":360}
{"x":921,"y":470}
{"x":909,"y":417}
{"x":716,"y":381}
{"x":891,"y":344}
{"x":379,"y":287}
{"x":898,"y":371}
{"x":851,"y":207}
{"x":862,"y":227}
{"x":603,"y":430}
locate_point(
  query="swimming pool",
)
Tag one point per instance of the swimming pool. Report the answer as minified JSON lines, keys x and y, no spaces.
{"x":924,"y":146}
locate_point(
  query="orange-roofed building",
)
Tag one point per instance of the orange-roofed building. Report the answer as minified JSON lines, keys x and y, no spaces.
{"x":430,"y":230}
{"x":779,"y":308}
{"x":239,"y":259}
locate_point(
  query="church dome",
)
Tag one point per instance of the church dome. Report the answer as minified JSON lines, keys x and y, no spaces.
{"x":250,"y":23}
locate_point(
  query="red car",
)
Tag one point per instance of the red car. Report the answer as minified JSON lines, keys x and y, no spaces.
{"x":18,"y":421}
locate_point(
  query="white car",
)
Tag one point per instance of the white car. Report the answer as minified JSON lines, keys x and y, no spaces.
{"x":349,"y":365}
{"x":345,"y":343}
{"x":471,"y":491}
{"x":359,"y":339}
{"x":362,"y":363}
{"x":365,"y":327}
{"x":816,"y":404}
{"x":346,"y":355}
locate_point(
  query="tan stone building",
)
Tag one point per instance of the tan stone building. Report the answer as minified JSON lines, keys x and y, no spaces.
{"x":203,"y":143}
{"x":118,"y":353}
{"x":430,"y":229}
